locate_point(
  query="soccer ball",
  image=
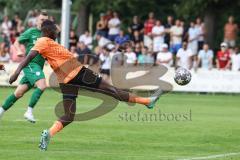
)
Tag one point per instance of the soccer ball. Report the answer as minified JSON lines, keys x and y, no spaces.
{"x":182,"y":76}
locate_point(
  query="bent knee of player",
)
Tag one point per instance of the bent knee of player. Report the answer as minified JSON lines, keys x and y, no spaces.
{"x":19,"y":93}
{"x":41,"y":84}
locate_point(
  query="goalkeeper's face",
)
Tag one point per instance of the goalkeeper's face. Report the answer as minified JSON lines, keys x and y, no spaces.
{"x":49,"y":29}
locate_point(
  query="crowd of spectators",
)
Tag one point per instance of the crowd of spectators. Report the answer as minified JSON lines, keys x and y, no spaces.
{"x":172,"y":44}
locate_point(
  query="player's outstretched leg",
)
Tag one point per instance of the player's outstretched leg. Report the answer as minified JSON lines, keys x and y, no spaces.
{"x":125,"y":96}
{"x":19,"y":92}
{"x":69,"y":103}
{"x":41,"y":85}
{"x":70,"y":106}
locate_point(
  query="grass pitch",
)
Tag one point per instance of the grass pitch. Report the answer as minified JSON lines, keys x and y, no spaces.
{"x":207,"y":125}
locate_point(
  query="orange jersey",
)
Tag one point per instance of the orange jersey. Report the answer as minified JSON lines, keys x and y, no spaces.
{"x":60,"y":59}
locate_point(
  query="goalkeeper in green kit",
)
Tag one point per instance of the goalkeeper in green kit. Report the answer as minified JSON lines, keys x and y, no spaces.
{"x":33,"y":72}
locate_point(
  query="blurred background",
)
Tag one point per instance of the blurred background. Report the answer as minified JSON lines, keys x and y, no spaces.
{"x":199,"y":35}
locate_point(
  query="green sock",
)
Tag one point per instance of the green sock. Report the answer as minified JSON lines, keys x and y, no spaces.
{"x":35,"y":97}
{"x":9,"y":102}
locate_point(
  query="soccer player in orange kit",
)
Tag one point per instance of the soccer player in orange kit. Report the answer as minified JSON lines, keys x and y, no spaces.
{"x":71,"y":72}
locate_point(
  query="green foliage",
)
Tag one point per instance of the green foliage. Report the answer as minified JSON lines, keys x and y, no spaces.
{"x":23,"y":6}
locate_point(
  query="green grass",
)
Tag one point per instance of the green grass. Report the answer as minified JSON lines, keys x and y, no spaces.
{"x":213,"y":129}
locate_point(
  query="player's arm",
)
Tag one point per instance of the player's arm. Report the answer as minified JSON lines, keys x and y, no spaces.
{"x":22,"y":39}
{"x":23,"y":64}
{"x":17,"y":45}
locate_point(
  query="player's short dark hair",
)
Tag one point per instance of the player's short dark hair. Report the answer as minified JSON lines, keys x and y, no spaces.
{"x":48,"y":28}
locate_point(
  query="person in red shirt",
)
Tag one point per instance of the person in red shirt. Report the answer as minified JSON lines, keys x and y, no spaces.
{"x":148,"y":25}
{"x":223,"y":57}
{"x":230,"y":32}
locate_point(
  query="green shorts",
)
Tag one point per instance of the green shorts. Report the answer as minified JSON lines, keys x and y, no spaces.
{"x":32,"y":73}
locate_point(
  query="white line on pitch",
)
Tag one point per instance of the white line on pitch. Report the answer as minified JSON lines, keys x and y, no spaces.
{"x":212,"y":156}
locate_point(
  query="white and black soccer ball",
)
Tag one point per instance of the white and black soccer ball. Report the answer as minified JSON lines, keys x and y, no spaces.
{"x":182,"y":76}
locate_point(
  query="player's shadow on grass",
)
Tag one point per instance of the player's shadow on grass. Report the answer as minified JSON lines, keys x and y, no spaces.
{"x":107,"y":105}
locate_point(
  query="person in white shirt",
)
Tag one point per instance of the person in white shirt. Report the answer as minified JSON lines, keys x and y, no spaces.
{"x":131,"y":56}
{"x":205,"y":57}
{"x":114,"y":27}
{"x":165,"y":57}
{"x":86,"y":38}
{"x":101,"y":40}
{"x":105,"y":60}
{"x":193,"y":35}
{"x":176,"y":33}
{"x":235,"y":59}
{"x":6,"y":26}
{"x":201,"y":33}
{"x":32,"y":20}
{"x":185,"y":57}
{"x":158,"y":36}
{"x":4,"y":56}
{"x":146,"y":57}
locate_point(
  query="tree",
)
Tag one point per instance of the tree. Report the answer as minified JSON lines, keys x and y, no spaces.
{"x":23,"y":6}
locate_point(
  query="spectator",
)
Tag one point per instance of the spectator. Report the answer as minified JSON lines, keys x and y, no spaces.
{"x":201,"y":33}
{"x":86,"y":38}
{"x":145,"y":57}
{"x":137,"y":49}
{"x":131,"y":56}
{"x":158,"y":36}
{"x":83,"y":52}
{"x":121,"y":38}
{"x":32,"y":20}
{"x":184,"y":56}
{"x":165,"y":57}
{"x":5,"y":57}
{"x":176,"y":33}
{"x":105,"y":63}
{"x":167,"y":29}
{"x":114,"y":27}
{"x":73,"y":39}
{"x":148,"y":25}
{"x":223,"y":57}
{"x":193,"y":38}
{"x":235,"y":59}
{"x":6,"y":26}
{"x":135,"y":26}
{"x":13,"y":35}
{"x":205,"y":57}
{"x":112,"y":49}
{"x":17,"y":23}
{"x":4,"y":39}
{"x":137,"y":38}
{"x":73,"y":50}
{"x":102,"y":41}
{"x":185,"y":31}
{"x":230,"y":32}
{"x":108,"y":16}
{"x":102,"y":26}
